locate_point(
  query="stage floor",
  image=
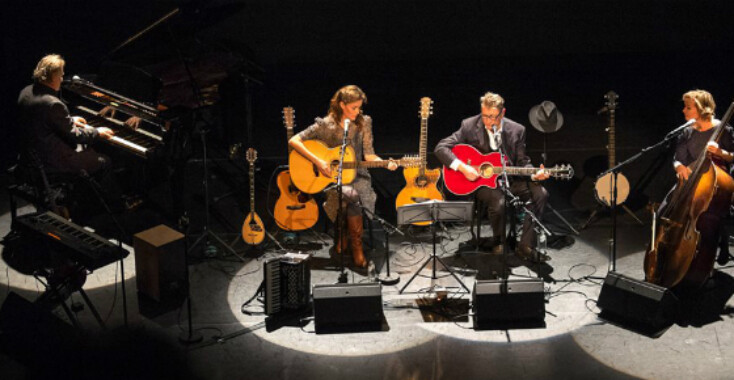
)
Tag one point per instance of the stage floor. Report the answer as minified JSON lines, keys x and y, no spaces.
{"x":421,"y":337}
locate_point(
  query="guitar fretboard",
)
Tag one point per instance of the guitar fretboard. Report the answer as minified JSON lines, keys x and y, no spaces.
{"x":423,"y":144}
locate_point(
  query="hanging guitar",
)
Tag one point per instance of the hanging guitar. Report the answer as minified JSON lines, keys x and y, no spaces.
{"x":603,"y":185}
{"x":294,"y":210}
{"x":489,"y":167}
{"x":253,"y":231}
{"x":420,"y":183}
{"x":309,"y":179}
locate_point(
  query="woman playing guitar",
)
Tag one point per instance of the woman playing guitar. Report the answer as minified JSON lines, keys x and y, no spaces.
{"x":345,"y":108}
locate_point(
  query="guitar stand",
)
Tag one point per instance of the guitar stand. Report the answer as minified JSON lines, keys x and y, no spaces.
{"x":434,"y":212}
{"x":206,"y":233}
{"x":598,"y":209}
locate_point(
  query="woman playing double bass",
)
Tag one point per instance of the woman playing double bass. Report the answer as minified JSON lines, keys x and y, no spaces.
{"x":700,"y":106}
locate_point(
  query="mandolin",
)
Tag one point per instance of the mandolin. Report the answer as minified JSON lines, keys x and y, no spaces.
{"x":420,"y":183}
{"x":603,"y":184}
{"x":294,"y":210}
{"x":489,"y":167}
{"x":253,"y":231}
{"x":307,"y":177}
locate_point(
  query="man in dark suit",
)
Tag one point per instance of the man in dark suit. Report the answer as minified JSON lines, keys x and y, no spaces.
{"x":490,"y":132}
{"x":49,"y":131}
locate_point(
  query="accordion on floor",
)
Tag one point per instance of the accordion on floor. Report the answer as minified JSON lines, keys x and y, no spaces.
{"x":287,"y":281}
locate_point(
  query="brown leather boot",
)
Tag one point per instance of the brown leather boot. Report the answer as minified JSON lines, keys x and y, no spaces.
{"x":355,"y":228}
{"x":342,"y":241}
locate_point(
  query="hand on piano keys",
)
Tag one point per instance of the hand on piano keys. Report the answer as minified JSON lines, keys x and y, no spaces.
{"x":105,"y":133}
{"x":132,"y":122}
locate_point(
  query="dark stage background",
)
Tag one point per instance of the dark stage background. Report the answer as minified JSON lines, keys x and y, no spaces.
{"x":297,"y":53}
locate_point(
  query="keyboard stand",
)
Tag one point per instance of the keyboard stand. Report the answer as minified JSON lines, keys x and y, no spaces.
{"x":57,"y":293}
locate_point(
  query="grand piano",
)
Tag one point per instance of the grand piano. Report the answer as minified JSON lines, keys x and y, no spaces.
{"x":144,"y":141}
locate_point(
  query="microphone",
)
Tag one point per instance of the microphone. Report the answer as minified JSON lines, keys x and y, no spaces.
{"x":346,"y":126}
{"x":682,"y":127}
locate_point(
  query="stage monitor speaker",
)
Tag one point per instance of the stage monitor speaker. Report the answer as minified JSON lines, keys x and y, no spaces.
{"x":501,"y":304}
{"x":347,"y":307}
{"x":160,"y":270}
{"x":641,"y":306}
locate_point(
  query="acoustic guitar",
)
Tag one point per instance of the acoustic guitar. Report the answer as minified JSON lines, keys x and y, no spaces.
{"x":253,"y":231}
{"x":603,"y":184}
{"x":489,"y":167}
{"x":294,"y":210}
{"x":420,"y":183}
{"x":307,"y":177}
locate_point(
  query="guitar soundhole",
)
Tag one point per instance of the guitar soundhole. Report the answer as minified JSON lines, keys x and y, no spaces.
{"x":421,"y":181}
{"x":315,"y":170}
{"x":303,"y":198}
{"x":485,"y":170}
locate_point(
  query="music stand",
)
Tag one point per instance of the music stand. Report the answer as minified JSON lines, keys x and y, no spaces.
{"x":435,"y":211}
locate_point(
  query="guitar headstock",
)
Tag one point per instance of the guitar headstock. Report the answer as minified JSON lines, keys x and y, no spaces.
{"x":289,"y":117}
{"x":251,"y":155}
{"x":611,"y":102}
{"x":562,"y":171}
{"x":426,"y":107}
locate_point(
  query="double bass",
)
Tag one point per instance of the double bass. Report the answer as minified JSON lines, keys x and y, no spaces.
{"x":677,"y":255}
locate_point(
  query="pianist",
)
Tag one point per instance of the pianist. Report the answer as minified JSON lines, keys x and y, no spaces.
{"x":58,"y":141}
{"x":50,"y":132}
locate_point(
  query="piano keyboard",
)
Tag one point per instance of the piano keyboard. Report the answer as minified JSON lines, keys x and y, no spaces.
{"x":138,"y":141}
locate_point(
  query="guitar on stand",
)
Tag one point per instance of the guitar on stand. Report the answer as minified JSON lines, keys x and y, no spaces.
{"x":489,"y":167}
{"x":604,"y":185}
{"x":294,"y":210}
{"x":420,"y":183}
{"x":253,"y":231}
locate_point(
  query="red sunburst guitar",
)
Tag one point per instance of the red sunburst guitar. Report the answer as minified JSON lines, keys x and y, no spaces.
{"x":420,"y":183}
{"x":489,"y":167}
{"x":253,"y":231}
{"x":294,"y":210}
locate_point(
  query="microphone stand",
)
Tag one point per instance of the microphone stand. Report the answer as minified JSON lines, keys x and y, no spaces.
{"x":340,"y":219}
{"x":613,"y":202}
{"x":388,"y":229}
{"x":504,"y":186}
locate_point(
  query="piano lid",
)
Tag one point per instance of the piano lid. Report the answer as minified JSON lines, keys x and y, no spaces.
{"x":106,"y":97}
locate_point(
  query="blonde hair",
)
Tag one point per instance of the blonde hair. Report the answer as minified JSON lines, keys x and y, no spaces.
{"x":346,"y":94}
{"x":52,"y":63}
{"x":704,"y":102}
{"x":491,"y":99}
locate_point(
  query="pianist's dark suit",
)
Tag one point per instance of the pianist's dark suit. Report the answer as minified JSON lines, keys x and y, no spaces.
{"x":48,"y":130}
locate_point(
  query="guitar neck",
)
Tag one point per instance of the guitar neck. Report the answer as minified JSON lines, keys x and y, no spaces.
{"x":522,"y":171}
{"x":423,"y":146}
{"x":612,"y":140}
{"x":373,"y":164}
{"x":289,"y":136}
{"x":518,"y":170}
